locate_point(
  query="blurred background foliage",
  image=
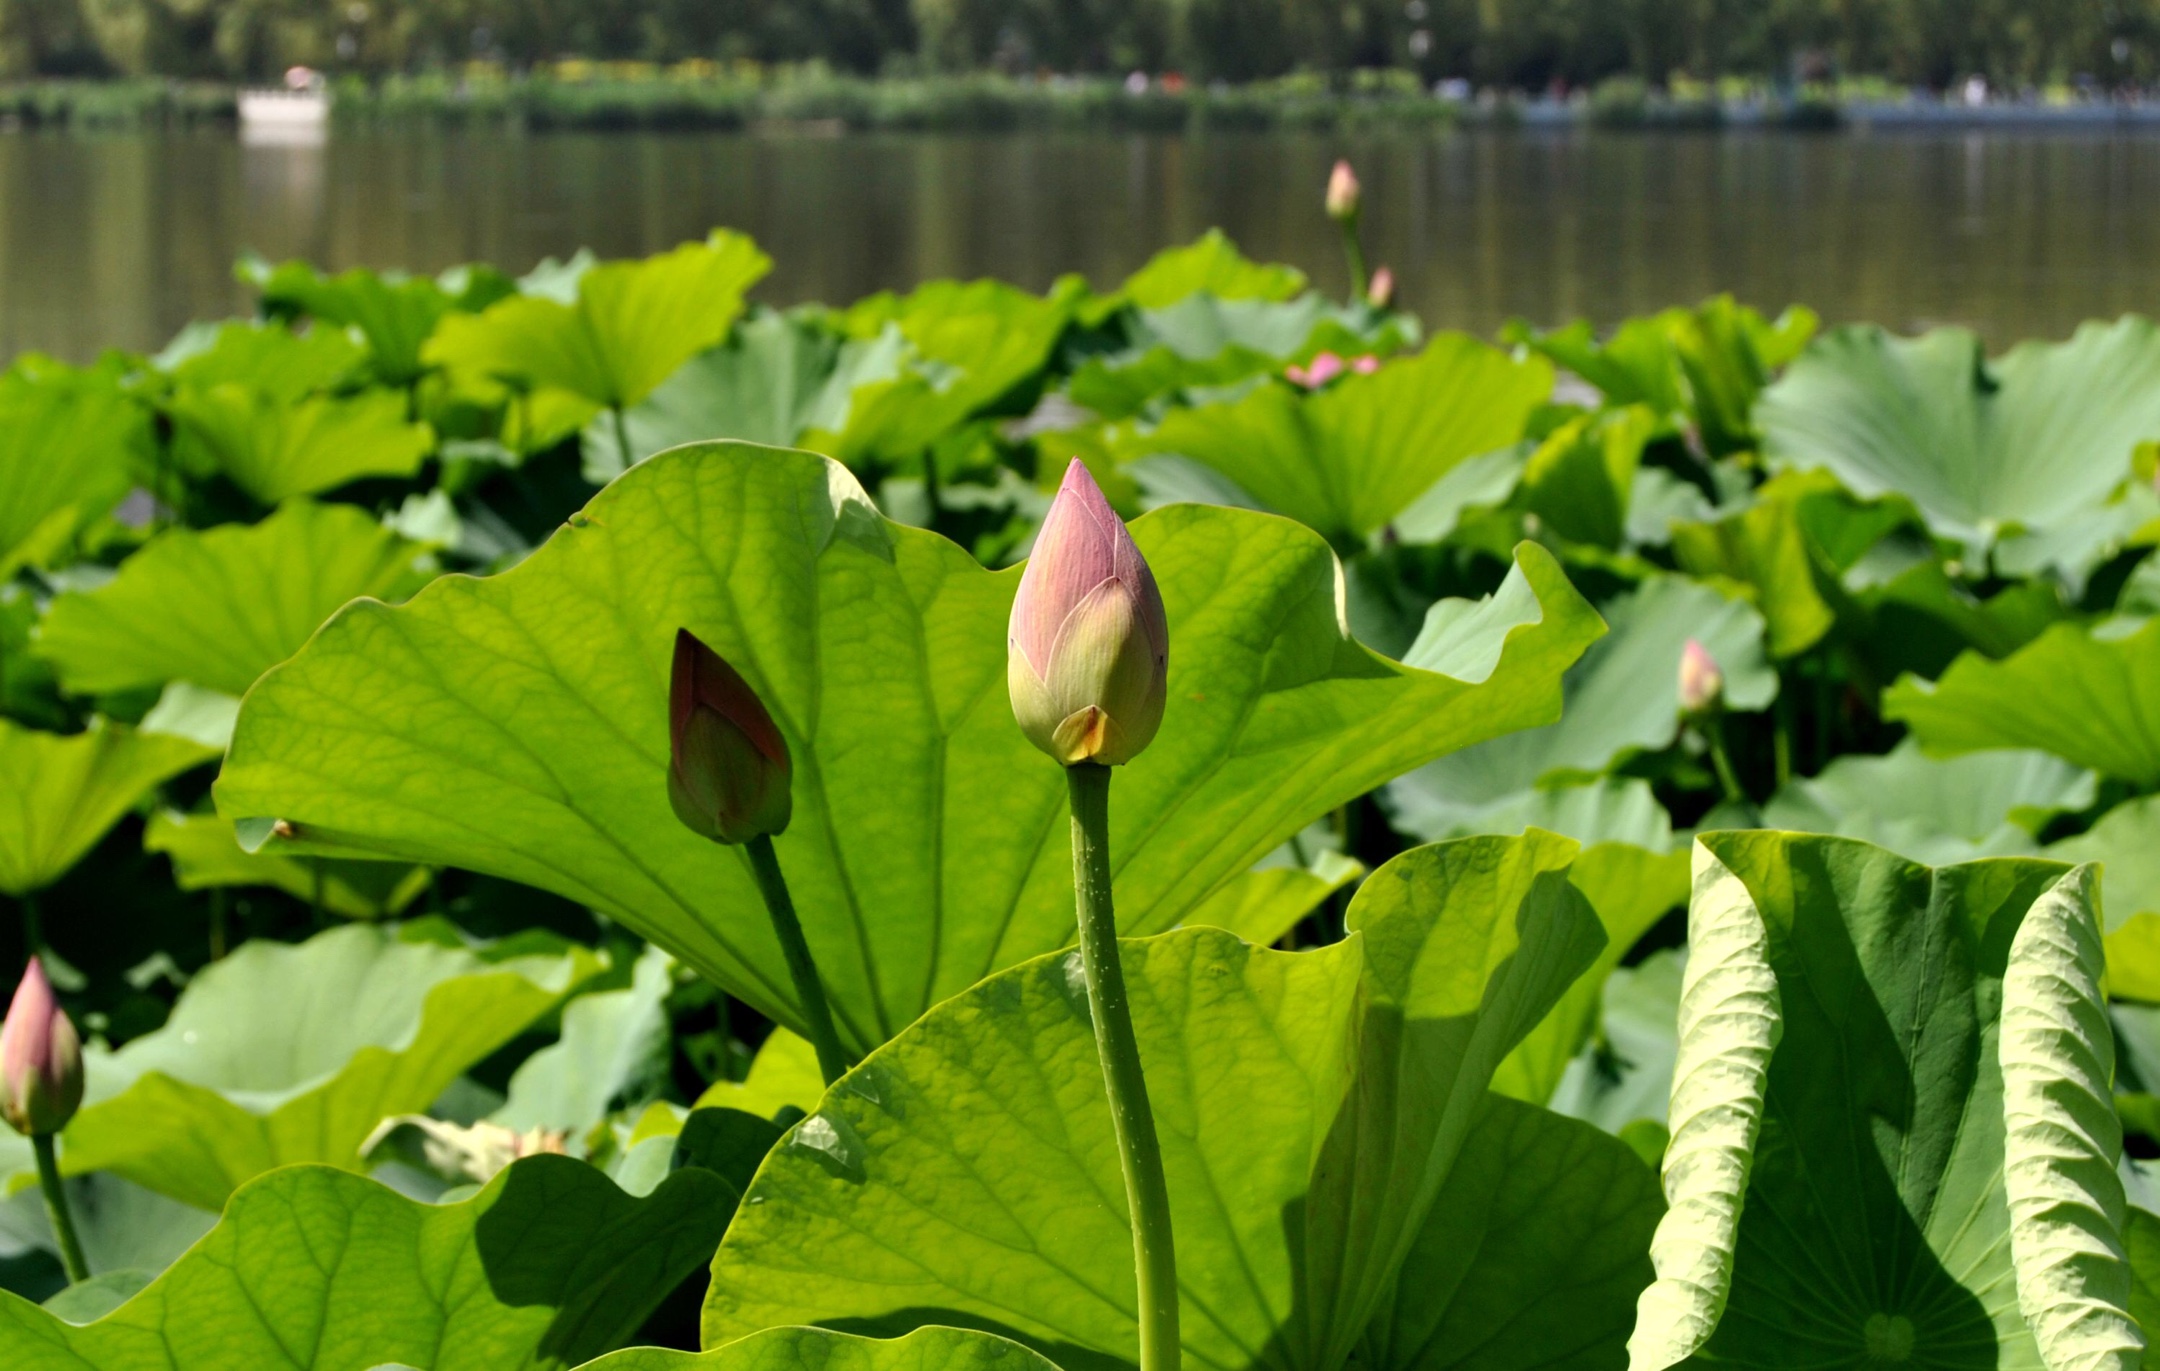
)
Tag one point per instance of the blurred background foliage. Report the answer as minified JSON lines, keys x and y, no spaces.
{"x":1524,"y":44}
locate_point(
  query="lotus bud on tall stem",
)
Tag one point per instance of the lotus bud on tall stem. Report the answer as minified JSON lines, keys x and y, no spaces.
{"x":1344,"y":199}
{"x":1702,"y":700}
{"x":1087,"y":663}
{"x":730,"y":779}
{"x":41,"y":1086}
{"x":1380,"y":292}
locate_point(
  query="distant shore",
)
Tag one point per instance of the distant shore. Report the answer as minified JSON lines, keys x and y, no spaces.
{"x":629,"y":96}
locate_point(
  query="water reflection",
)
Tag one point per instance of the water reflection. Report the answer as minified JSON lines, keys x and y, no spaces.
{"x":118,"y":240}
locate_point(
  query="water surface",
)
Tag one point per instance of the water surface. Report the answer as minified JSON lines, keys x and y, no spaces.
{"x":117,"y":240}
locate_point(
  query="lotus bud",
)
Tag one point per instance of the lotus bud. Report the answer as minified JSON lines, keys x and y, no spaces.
{"x":1324,"y":367}
{"x":729,"y":777}
{"x":1380,"y":293}
{"x":1088,"y":652}
{"x":41,"y":1072}
{"x":1701,"y":681}
{"x":1342,"y":193}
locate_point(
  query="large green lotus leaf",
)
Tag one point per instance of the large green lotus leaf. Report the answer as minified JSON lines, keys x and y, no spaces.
{"x":517,"y":725}
{"x":267,"y":357}
{"x":394,"y":312}
{"x":206,"y":855}
{"x":1622,"y":697}
{"x":1349,"y":458}
{"x":968,"y":345}
{"x":1268,"y":901}
{"x":220,"y":607}
{"x":631,"y":325}
{"x":1531,"y":1192}
{"x":2126,"y":845}
{"x":2029,"y":441}
{"x":1935,"y":810}
{"x":2091,"y":697}
{"x":315,"y":1269}
{"x":63,"y":791}
{"x":71,"y":444}
{"x":1312,"y":1107}
{"x":1210,"y":265}
{"x":1891,"y":1132}
{"x":776,"y":378}
{"x":365,"y":1024}
{"x":275,"y":449}
{"x":817,"y":1349}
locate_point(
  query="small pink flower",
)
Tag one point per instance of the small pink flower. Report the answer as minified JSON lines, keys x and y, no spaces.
{"x":41,"y":1072}
{"x":1088,"y":650}
{"x":1701,"y":679}
{"x":729,"y":775}
{"x":1323,"y":368}
{"x":1342,"y":193}
{"x":1366,"y":365}
{"x":1380,"y":291}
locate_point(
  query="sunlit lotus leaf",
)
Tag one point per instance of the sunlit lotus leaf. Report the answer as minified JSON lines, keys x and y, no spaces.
{"x":2090,"y":696}
{"x":71,"y":444}
{"x":517,"y":725}
{"x":1331,"y":1152}
{"x":2029,"y":441}
{"x":64,"y":791}
{"x":1347,"y":459}
{"x":274,"y":448}
{"x":315,"y":1269}
{"x":368,"y":1024}
{"x":1891,"y":1123}
{"x":629,"y":326}
{"x":218,"y":608}
{"x":1623,"y":697}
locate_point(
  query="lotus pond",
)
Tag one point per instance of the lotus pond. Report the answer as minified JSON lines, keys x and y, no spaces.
{"x":1632,"y":845}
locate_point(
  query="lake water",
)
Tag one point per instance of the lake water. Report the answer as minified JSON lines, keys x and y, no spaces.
{"x":120,"y":239}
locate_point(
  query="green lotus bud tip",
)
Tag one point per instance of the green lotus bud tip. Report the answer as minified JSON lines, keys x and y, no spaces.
{"x":1088,"y":652}
{"x":41,"y":1071}
{"x":1342,"y":193}
{"x":1701,"y":680}
{"x":729,"y":776}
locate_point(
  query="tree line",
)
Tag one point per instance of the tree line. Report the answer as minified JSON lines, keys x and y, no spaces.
{"x":1521,"y":44}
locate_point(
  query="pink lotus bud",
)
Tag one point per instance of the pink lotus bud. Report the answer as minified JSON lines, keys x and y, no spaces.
{"x":1380,"y":292}
{"x":729,"y":776}
{"x":1088,"y":652}
{"x":1324,"y":367}
{"x":1342,"y":193}
{"x":41,"y":1072}
{"x":1366,"y":365}
{"x":1701,"y":681}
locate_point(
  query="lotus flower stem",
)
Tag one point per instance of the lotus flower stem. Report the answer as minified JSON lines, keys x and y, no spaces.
{"x":1354,"y":253}
{"x":1714,"y":733}
{"x":1139,"y":1152}
{"x":817,"y":1014}
{"x":56,"y":1208}
{"x":33,"y":927}
{"x":622,"y":437}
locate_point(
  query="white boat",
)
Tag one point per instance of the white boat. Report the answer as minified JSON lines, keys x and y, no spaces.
{"x":298,"y":109}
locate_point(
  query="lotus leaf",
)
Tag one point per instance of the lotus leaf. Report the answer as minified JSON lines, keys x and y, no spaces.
{"x":220,"y":607}
{"x":1935,"y":810}
{"x":815,"y":1349}
{"x":2029,"y":441}
{"x":1347,"y":459}
{"x":316,"y":1269}
{"x":367,"y":1024}
{"x":1891,"y":1133}
{"x":70,"y":446}
{"x":2091,"y":697}
{"x":1622,"y":697}
{"x":275,"y":449}
{"x":64,"y":791}
{"x":516,"y":725}
{"x":207,"y":856}
{"x":1314,"y":1108}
